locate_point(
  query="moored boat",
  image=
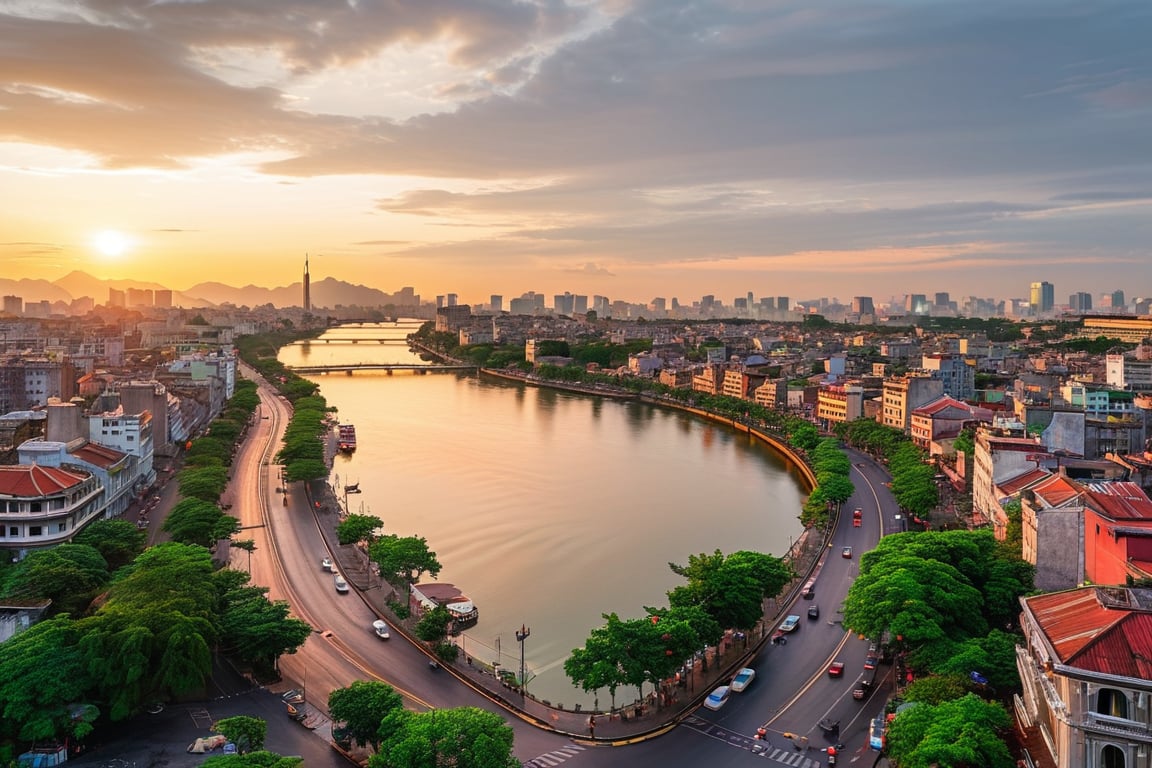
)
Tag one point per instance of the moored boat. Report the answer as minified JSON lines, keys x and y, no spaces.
{"x":463,"y":611}
{"x":346,"y":438}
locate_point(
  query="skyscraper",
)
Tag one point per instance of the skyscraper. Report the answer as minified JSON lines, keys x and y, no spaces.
{"x":1080,"y":302}
{"x":307,"y":287}
{"x":1042,"y":298}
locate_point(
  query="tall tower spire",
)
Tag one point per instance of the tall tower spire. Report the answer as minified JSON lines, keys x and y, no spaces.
{"x":307,"y":287}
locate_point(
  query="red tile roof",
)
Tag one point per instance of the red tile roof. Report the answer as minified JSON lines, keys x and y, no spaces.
{"x":1072,"y":619}
{"x":33,"y":481}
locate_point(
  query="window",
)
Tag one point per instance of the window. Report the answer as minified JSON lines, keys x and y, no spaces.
{"x":1112,"y":702}
{"x":13,"y":531}
{"x":1111,"y":757}
{"x":35,"y":530}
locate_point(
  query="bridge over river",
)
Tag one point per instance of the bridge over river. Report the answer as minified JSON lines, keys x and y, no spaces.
{"x":389,"y":367}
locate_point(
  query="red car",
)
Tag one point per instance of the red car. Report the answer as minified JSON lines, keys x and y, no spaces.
{"x":836,"y":669}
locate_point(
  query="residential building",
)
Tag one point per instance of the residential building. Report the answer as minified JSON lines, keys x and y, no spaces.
{"x":997,"y":459}
{"x":839,"y":403}
{"x":904,"y":394}
{"x":958,"y":376}
{"x":13,"y":305}
{"x":934,"y":425}
{"x":773,"y":393}
{"x":1086,"y":673}
{"x":1052,"y":523}
{"x":451,"y":318}
{"x":1117,"y":533}
{"x":1128,"y":372}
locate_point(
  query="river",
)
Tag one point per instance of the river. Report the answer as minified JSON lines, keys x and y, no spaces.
{"x":546,"y":508}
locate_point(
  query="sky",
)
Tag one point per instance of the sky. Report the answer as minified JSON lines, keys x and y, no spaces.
{"x":627,"y":148}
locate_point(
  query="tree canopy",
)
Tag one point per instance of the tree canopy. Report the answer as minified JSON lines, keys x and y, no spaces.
{"x":961,"y":733}
{"x":464,"y":737}
{"x":406,"y":558}
{"x":199,"y":522}
{"x":361,"y":707}
{"x":355,"y":528}
{"x":117,"y":541}
{"x":730,"y":589}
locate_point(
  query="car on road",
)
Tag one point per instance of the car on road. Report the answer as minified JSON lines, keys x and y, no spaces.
{"x":813,"y":611}
{"x":876,"y":736}
{"x":326,"y":564}
{"x":718,"y":697}
{"x":857,"y":517}
{"x":870,"y":661}
{"x":743,"y":679}
{"x":339,"y":582}
{"x":836,"y":669}
{"x":846,"y":552}
{"x":381,"y":629}
{"x":789,"y":624}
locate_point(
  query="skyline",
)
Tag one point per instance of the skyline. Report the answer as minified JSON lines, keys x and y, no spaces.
{"x":627,"y":149}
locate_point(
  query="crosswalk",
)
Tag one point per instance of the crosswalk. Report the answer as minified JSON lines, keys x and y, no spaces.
{"x":786,"y":755}
{"x":554,"y":758}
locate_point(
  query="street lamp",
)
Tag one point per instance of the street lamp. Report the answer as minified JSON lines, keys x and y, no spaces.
{"x":521,"y":635}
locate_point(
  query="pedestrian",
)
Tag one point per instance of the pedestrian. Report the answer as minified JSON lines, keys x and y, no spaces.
{"x":592,"y":725}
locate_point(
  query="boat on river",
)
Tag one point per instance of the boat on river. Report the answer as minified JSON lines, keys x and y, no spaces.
{"x":346,"y":438}
{"x":463,"y":611}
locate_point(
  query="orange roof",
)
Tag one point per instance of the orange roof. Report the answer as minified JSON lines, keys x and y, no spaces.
{"x":1120,"y":501}
{"x":99,"y":455}
{"x":32,"y":481}
{"x":1022,"y":481}
{"x":1105,"y":630}
{"x":1057,"y":490}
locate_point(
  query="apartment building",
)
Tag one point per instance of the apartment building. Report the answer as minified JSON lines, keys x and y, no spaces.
{"x":936,"y":424}
{"x":958,"y":376}
{"x":902,"y":395}
{"x":1128,"y":372}
{"x":996,"y":459}
{"x":836,"y":404}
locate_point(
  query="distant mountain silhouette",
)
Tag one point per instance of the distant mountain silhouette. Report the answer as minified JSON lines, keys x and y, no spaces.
{"x":326,"y":293}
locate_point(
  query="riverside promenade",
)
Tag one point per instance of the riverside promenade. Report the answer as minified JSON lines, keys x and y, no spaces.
{"x":632,"y":720}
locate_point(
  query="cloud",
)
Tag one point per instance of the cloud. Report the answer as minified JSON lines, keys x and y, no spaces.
{"x":589,"y":269}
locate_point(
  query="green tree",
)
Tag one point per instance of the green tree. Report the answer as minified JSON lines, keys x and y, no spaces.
{"x":117,"y":541}
{"x":199,"y":522}
{"x":732,"y":589}
{"x":247,"y":733}
{"x":837,"y":489}
{"x":68,"y":575}
{"x":354,"y":528}
{"x":205,"y":483}
{"x":464,"y":737}
{"x":936,"y":689}
{"x":361,"y":707}
{"x":406,"y":558}
{"x":260,"y":630}
{"x":597,"y":664}
{"x":433,"y":625}
{"x":42,"y":674}
{"x":962,"y":733}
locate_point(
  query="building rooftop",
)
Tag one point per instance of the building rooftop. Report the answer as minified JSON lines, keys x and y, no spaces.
{"x":34,"y":481}
{"x":1120,"y":500}
{"x":1098,"y":629}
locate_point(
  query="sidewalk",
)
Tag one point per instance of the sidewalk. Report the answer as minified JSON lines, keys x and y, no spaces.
{"x":629,"y":722}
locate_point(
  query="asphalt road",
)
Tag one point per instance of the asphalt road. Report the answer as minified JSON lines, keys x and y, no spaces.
{"x":790,"y":695}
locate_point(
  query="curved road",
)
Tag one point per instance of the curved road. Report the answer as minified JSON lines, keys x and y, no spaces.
{"x":791,"y":692}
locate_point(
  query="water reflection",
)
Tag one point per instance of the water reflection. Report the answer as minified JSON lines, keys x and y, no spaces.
{"x":551,"y":508}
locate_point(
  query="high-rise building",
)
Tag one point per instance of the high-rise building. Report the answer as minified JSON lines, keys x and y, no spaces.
{"x":115,"y":297}
{"x":163,"y":298}
{"x":1080,"y":302}
{"x":13,"y":305}
{"x":915,"y":303}
{"x":783,"y":304}
{"x":452,"y":299}
{"x":307,"y":287}
{"x":562,"y":303}
{"x":580,"y":305}
{"x":1042,"y":298}
{"x":862,"y":305}
{"x":139,"y":297}
{"x":943,"y":300}
{"x":1117,"y":299}
{"x":706,"y":304}
{"x":496,"y":301}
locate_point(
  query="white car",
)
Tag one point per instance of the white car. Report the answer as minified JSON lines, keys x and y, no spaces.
{"x":718,"y":697}
{"x":326,"y":564}
{"x":341,"y":584}
{"x":381,"y":629}
{"x":790,"y":623}
{"x":743,"y":679}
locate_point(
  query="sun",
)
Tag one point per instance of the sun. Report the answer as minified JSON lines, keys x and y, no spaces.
{"x":111,"y":243}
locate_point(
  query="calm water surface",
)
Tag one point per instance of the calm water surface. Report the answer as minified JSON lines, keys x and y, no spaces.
{"x":546,"y":508}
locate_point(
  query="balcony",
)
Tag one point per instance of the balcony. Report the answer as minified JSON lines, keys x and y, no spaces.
{"x":1116,"y":726}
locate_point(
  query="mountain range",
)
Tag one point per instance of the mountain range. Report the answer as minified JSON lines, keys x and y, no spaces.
{"x":328,"y":292}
